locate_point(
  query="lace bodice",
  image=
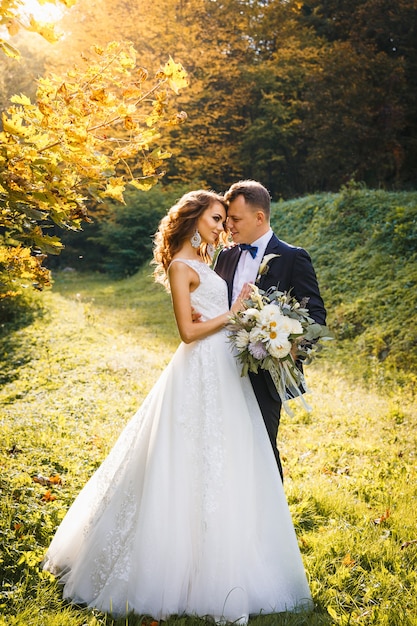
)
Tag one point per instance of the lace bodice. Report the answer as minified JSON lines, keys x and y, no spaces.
{"x":210,"y":298}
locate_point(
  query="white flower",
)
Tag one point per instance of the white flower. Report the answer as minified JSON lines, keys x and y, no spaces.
{"x":258,"y":334}
{"x":242,"y":339}
{"x":263,"y":268}
{"x":256,"y":297}
{"x":270,"y":313}
{"x":279,"y":346}
{"x":291,"y":325}
{"x":250,"y":315}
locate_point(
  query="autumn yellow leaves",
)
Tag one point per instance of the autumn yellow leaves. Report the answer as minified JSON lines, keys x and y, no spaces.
{"x":90,"y":133}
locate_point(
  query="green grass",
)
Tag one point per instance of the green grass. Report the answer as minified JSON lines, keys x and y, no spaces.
{"x":73,"y":377}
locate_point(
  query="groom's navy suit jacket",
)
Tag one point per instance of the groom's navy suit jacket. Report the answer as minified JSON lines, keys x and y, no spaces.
{"x":292,"y":269}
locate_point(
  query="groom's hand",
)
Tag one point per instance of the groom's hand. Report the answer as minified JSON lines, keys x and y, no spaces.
{"x":294,"y":352}
{"x":195,"y":315}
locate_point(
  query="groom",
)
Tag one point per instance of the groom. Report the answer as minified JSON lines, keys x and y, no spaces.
{"x":248,"y":218}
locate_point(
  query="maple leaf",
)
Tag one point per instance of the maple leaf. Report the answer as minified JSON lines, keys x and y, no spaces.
{"x":115,"y":188}
{"x":129,"y":124}
{"x":55,"y":480}
{"x":21,"y":99}
{"x":9,"y":50}
{"x":13,"y":27}
{"x":127,"y":60}
{"x":48,"y":497}
{"x":176,"y":75}
{"x":141,"y":75}
{"x":98,"y":95}
{"x":47,"y":31}
{"x":63,"y":91}
{"x":143,"y":184}
{"x":50,"y":244}
{"x":14,"y":124}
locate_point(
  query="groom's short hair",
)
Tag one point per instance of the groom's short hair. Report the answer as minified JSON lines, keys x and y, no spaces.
{"x":254,"y":193}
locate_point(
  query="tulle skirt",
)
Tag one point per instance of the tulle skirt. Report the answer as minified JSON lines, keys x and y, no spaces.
{"x":187,"y":514}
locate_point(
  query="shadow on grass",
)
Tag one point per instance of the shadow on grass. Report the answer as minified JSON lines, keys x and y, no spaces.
{"x":15,"y":348}
{"x":317,"y":617}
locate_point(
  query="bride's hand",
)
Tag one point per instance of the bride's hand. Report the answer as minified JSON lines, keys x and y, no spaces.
{"x":239,"y":303}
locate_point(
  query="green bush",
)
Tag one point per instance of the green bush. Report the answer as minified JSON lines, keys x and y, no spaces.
{"x":126,"y":236}
{"x":119,"y":240}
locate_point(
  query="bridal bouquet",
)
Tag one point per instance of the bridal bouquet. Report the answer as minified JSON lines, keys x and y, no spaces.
{"x":273,"y":330}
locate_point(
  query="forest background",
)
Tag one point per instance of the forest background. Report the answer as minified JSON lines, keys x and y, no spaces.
{"x":302,"y":96}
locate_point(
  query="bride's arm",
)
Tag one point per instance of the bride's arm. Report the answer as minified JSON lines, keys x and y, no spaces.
{"x":183,"y":279}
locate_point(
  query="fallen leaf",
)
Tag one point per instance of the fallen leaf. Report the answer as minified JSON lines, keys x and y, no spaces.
{"x":41,"y":480}
{"x":348,"y":561}
{"x":48,"y":497}
{"x":55,"y":480}
{"x":383,"y":518}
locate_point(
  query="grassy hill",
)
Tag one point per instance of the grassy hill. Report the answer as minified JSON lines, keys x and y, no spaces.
{"x":74,"y":378}
{"x":86,"y":358}
{"x":364,"y":247}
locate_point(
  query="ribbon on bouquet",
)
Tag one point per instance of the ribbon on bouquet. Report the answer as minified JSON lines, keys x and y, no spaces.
{"x":290,"y":384}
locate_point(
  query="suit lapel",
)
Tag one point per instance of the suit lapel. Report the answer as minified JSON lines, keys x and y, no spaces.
{"x":227,"y":269}
{"x":273,"y":246}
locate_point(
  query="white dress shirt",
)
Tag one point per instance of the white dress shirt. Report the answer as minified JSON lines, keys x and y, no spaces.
{"x":247,"y":267}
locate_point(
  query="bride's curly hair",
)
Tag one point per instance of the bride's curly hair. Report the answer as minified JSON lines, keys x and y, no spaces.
{"x":178,"y":225}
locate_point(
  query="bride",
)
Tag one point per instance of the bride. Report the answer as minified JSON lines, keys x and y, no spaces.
{"x":187,"y":514}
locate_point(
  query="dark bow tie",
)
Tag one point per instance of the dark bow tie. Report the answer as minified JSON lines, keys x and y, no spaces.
{"x":252,"y":249}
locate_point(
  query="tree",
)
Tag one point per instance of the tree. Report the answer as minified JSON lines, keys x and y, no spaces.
{"x":326,"y":104}
{"x":298,"y":94}
{"x":210,"y":38}
{"x":271,"y":146}
{"x":354,"y":115}
{"x":90,"y":133}
{"x":381,"y":36}
{"x":125,"y":236}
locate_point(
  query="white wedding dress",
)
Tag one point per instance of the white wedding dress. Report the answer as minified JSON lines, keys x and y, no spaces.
{"x":187,"y":514}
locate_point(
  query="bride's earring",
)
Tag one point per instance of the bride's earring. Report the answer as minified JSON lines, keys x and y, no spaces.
{"x":210,"y":250}
{"x":196,"y":239}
